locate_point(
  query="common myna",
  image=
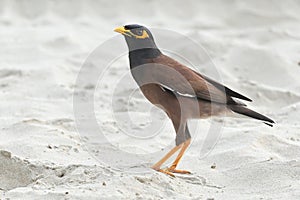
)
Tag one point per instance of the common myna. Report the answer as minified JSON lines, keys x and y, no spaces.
{"x":180,"y":91}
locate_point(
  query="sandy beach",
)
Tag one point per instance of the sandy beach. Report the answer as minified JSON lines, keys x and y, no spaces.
{"x":47,"y":153}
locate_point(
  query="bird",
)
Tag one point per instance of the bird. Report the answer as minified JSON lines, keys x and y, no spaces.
{"x":181,"y":92}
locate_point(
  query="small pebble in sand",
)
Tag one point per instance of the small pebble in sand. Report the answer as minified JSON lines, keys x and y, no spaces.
{"x":104,"y":184}
{"x":213,"y":166}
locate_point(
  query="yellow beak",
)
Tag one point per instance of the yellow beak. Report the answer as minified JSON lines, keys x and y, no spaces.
{"x":123,"y":31}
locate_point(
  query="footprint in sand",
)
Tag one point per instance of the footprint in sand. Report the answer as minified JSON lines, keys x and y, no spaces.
{"x":9,"y":72}
{"x":197,"y":180}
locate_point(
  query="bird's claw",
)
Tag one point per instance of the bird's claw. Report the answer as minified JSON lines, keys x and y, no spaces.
{"x":166,"y":171}
{"x":169,"y":171}
{"x":178,"y":171}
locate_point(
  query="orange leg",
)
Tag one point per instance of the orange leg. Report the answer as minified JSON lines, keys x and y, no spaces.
{"x":157,"y":165}
{"x":178,"y":158}
{"x":172,"y":169}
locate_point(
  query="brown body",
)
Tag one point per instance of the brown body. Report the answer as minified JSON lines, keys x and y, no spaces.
{"x":185,"y":105}
{"x":171,"y":104}
{"x":180,"y":109}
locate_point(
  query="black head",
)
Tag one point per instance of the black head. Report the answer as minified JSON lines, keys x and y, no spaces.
{"x":137,"y":37}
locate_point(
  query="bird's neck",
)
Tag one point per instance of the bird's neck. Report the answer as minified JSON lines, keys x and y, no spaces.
{"x":141,"y":56}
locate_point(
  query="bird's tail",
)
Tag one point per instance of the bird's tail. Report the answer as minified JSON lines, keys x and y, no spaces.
{"x":250,"y":113}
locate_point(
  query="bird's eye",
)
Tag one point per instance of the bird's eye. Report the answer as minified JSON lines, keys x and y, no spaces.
{"x":139,"y":32}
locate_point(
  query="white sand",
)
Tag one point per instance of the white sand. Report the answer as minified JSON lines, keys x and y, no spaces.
{"x":255,"y":46}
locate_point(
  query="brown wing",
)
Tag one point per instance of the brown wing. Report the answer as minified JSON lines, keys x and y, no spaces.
{"x":227,"y":90}
{"x":181,"y":79}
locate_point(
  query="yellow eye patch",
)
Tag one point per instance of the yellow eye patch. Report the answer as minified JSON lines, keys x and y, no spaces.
{"x":143,"y":36}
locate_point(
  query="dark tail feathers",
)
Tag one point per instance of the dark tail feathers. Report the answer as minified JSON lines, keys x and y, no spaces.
{"x":250,"y":113}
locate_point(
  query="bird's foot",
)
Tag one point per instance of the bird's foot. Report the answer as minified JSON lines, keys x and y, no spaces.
{"x":178,"y":171}
{"x":166,"y":171}
{"x":169,"y":171}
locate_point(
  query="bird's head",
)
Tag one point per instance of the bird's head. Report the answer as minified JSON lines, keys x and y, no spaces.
{"x":137,"y":37}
